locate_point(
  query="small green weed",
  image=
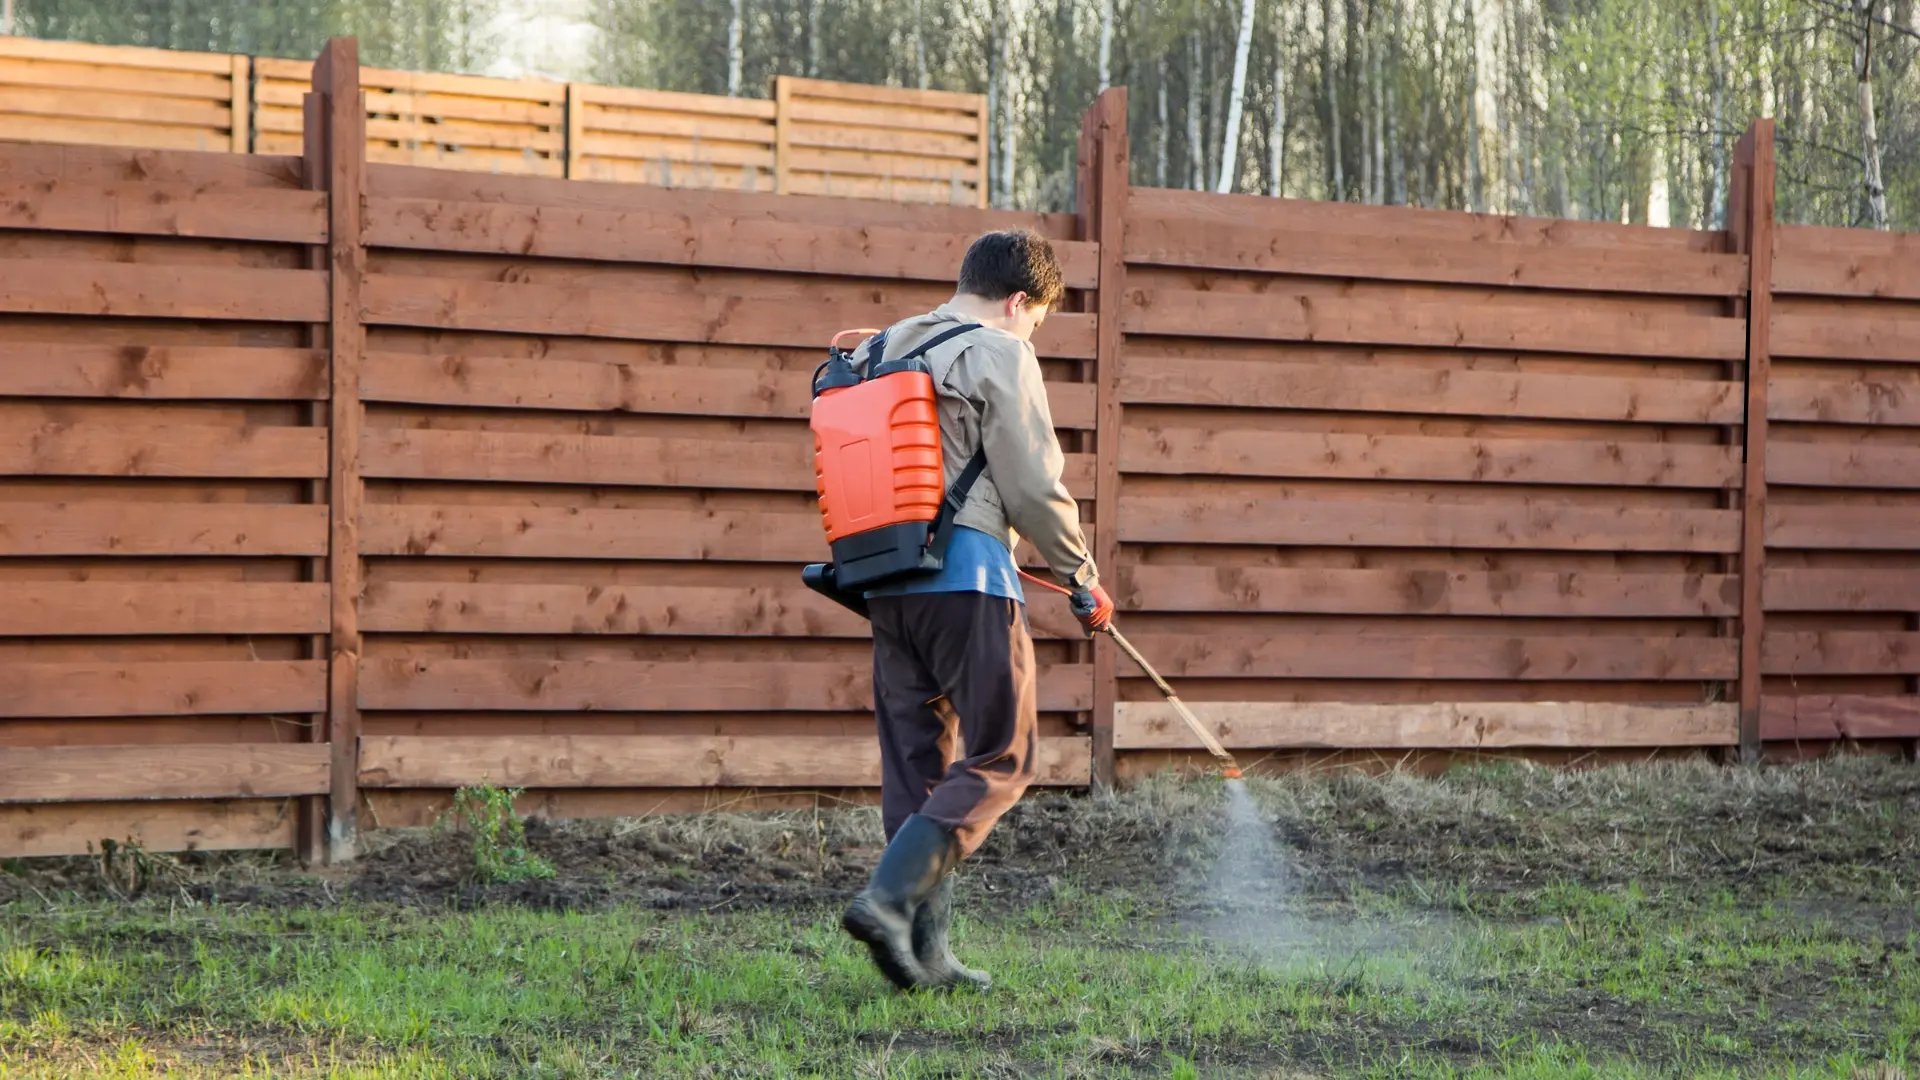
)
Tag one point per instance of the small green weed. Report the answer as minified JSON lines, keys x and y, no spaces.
{"x":499,"y":836}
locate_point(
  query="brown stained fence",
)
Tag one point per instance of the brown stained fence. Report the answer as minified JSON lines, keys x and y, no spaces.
{"x":328,"y":486}
{"x":1842,"y":577}
{"x":1415,"y":480}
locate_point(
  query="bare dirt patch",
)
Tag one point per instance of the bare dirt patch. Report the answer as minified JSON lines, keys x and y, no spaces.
{"x":1840,"y":830}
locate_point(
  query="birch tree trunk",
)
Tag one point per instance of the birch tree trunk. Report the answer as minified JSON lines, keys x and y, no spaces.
{"x":1869,"y":136}
{"x":1476,"y":180}
{"x":1160,"y":134}
{"x":1106,"y":45}
{"x":1376,"y":48}
{"x":1330,"y":93}
{"x":1277,"y":134}
{"x":996,"y":75}
{"x":1236,"y":100}
{"x":1007,"y":123}
{"x":736,"y":58}
{"x":1196,"y":150}
{"x":1717,"y":195}
{"x":813,"y":42}
{"x":923,"y":80}
{"x":1360,"y":71}
{"x":1396,"y":137}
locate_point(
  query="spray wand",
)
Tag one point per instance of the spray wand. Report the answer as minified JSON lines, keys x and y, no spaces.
{"x":1229,"y":768}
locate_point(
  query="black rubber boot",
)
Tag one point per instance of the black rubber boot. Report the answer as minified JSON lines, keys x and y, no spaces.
{"x":883,"y":914}
{"x":930,"y":944}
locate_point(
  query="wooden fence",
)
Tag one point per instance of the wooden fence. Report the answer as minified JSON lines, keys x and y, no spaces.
{"x":328,"y":485}
{"x":812,"y":138}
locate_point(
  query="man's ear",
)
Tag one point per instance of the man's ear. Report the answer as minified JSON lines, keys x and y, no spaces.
{"x":1014,"y":303}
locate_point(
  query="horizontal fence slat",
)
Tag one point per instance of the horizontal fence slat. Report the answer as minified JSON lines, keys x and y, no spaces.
{"x":170,"y":528}
{"x":449,"y":303}
{"x":928,"y":100}
{"x":120,"y":57}
{"x":1259,"y":725}
{"x":1383,"y":388}
{"x":1845,"y":465}
{"x":1222,"y":451}
{"x":1852,"y":336}
{"x":179,"y":688}
{"x":686,"y":611}
{"x":1839,"y":716}
{"x":160,"y":208}
{"x":1844,"y":273}
{"x":672,"y":101}
{"x":576,"y":761}
{"x":634,"y":460}
{"x":590,"y":385}
{"x":58,"y":448}
{"x":1799,"y":588}
{"x":218,"y":372}
{"x":1840,"y":652}
{"x":1544,"y":325}
{"x":35,"y":829}
{"x":645,"y":236}
{"x":191,"y":771}
{"x":175,"y":607}
{"x":1381,"y":523}
{"x":1223,"y":245}
{"x":1370,"y":656}
{"x":567,"y":533}
{"x":79,"y":287}
{"x":1849,"y":528}
{"x":1844,"y":401}
{"x":1308,"y":216}
{"x":654,"y":686}
{"x":1323,"y":591}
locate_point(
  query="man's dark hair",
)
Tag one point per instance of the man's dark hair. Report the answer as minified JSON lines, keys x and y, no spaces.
{"x":1000,"y":264}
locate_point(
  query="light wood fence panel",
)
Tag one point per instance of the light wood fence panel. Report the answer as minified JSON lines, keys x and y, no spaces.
{"x":61,"y":91}
{"x":878,"y":142}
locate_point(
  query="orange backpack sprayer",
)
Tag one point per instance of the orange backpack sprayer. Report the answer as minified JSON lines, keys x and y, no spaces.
{"x":878,"y":468}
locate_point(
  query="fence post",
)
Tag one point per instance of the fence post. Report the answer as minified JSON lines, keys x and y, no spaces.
{"x":1101,"y":189}
{"x":576,"y":132}
{"x":336,"y":153}
{"x":1750,"y":221}
{"x":240,"y":105}
{"x":782,"y":123}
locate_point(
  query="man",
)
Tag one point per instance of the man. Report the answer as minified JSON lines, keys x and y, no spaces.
{"x":953,"y":671}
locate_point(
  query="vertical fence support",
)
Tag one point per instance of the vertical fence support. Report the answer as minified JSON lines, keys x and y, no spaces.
{"x":782,"y":128}
{"x":576,"y":112}
{"x":338,"y":158}
{"x":1102,"y":197}
{"x":1751,"y":223}
{"x":240,"y":104}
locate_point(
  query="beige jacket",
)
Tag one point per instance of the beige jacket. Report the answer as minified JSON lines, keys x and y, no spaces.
{"x":988,"y":386}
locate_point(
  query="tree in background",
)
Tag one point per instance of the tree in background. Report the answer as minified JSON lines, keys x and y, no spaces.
{"x":1623,"y":110}
{"x":420,"y":35}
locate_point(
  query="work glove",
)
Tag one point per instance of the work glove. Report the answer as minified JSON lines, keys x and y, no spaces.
{"x":1093,"y":607}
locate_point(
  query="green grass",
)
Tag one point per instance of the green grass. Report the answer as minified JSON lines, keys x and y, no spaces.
{"x":1087,"y":986}
{"x":1506,"y":921}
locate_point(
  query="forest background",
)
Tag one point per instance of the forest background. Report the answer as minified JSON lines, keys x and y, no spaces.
{"x":1623,"y":110}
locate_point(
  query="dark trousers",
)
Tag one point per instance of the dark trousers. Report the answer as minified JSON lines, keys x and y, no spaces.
{"x":953,"y":691}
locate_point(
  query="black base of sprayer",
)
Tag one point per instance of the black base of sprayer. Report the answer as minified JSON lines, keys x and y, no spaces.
{"x":820,"y":578}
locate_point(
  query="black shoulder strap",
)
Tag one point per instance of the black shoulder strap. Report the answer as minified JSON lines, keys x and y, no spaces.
{"x":941,"y":338}
{"x":942,"y":529}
